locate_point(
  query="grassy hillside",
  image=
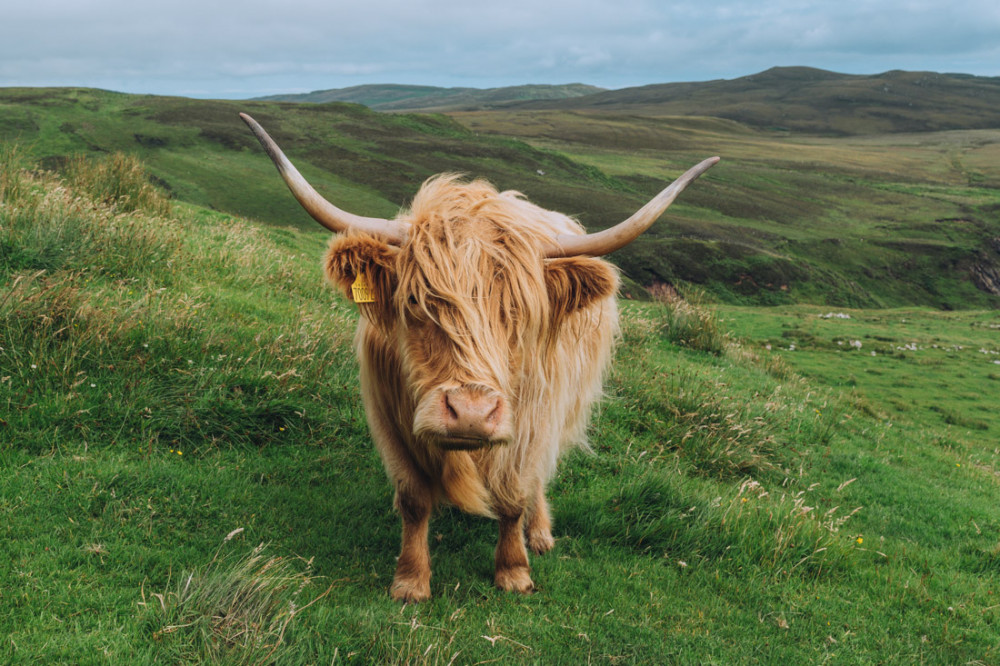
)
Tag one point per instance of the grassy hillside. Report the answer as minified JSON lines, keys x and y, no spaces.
{"x":433,"y":99}
{"x":866,"y":221}
{"x":202,"y":153}
{"x":805,"y":100}
{"x":178,"y":387}
{"x":863,"y":221}
{"x":368,"y":162}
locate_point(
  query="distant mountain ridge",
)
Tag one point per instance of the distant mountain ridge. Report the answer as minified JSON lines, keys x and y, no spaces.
{"x":798,"y":99}
{"x":394,"y":97}
{"x":814,"y":100}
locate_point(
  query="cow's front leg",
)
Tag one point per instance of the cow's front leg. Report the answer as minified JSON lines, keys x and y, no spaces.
{"x":539,"y":524}
{"x":412,"y":581}
{"x":512,"y":570}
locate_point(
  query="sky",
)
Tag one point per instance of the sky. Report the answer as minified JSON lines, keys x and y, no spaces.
{"x":236,"y":50}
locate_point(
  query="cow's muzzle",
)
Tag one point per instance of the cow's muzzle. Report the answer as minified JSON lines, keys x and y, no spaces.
{"x":469,"y":417}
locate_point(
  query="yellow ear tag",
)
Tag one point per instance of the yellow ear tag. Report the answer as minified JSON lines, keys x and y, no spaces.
{"x":361,"y":291}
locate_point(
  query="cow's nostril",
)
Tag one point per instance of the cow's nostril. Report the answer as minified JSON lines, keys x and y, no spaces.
{"x":450,"y":411}
{"x":494,"y":416}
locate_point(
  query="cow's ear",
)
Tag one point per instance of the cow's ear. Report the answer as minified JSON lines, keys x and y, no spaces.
{"x":577,"y":282}
{"x":365,"y":269}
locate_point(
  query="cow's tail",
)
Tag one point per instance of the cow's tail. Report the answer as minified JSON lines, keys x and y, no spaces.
{"x":463,"y":485}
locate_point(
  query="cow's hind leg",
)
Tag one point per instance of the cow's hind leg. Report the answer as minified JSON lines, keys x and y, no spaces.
{"x":413,"y":568}
{"x":539,"y":527}
{"x":512,"y":570}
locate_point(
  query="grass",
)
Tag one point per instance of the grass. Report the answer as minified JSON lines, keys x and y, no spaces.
{"x":927,"y":366}
{"x":688,"y":322}
{"x":167,"y":381}
{"x":119,"y":183}
{"x":235,"y":611}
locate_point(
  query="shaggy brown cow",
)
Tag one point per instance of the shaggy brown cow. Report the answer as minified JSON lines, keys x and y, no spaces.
{"x":488,"y":325}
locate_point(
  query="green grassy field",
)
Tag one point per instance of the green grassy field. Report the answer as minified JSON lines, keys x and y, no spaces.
{"x":177,"y":388}
{"x":936,"y":368}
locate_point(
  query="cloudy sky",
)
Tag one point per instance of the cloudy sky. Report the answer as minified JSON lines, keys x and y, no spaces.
{"x":226,"y":49}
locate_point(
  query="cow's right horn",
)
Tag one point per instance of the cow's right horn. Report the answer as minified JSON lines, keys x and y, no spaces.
{"x":323,"y":211}
{"x":605,"y":242}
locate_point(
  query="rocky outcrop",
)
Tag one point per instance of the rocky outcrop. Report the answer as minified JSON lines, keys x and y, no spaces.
{"x":986,"y":276}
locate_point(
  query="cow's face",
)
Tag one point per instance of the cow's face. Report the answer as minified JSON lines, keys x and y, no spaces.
{"x":471,"y":309}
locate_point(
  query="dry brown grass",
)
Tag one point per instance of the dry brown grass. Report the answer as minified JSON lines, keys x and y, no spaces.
{"x":119,"y":182}
{"x":235,"y":610}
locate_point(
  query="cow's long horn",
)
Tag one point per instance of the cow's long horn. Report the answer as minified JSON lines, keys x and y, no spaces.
{"x":604,"y":242}
{"x":323,"y":211}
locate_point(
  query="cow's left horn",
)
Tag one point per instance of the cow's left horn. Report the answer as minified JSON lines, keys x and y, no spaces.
{"x":604,"y":242}
{"x":323,"y":211}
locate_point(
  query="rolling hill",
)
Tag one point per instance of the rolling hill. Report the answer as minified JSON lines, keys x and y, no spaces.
{"x":802,"y":99}
{"x":793,"y":99}
{"x":429,"y":98}
{"x":880,"y":220}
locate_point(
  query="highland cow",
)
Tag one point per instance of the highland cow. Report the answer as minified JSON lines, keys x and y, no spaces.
{"x":487,"y":327}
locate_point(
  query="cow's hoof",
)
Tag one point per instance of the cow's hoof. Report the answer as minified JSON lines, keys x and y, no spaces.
{"x":541,"y":541}
{"x":410,"y":591}
{"x":515,"y":579}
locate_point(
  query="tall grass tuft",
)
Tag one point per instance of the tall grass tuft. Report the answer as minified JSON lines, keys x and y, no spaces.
{"x":12,"y":173}
{"x":415,"y":644}
{"x":689,"y":322}
{"x":234,"y":611}
{"x":118,"y":181}
{"x":51,"y":224}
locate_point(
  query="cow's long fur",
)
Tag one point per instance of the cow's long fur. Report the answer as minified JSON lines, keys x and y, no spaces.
{"x":470,"y":300}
